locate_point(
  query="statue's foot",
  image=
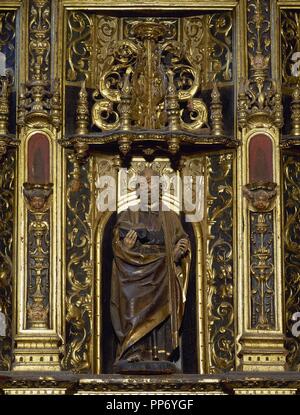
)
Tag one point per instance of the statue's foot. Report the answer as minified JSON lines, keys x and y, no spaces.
{"x":134,"y":357}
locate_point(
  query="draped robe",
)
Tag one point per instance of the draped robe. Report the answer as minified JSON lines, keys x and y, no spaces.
{"x":140,"y":295}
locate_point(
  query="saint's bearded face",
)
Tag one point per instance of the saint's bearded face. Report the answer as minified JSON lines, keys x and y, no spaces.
{"x":151,"y":186}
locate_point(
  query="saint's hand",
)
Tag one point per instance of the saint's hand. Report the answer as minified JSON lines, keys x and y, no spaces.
{"x":181,"y":248}
{"x":130,"y":239}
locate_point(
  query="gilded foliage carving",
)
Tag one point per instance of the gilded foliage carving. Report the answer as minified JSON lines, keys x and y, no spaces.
{"x":290,"y":44}
{"x":79,"y":268}
{"x":259,"y":33}
{"x":7,"y":177}
{"x":291,"y":183}
{"x":208,"y":39}
{"x":219,"y":263}
{"x":209,"y":42}
{"x":39,"y":44}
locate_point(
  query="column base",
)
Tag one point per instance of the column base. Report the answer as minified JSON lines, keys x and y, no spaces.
{"x":36,"y":354}
{"x":263,"y":353}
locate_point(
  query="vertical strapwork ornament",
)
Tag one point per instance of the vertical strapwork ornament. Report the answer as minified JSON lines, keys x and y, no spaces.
{"x":82,"y":111}
{"x":124,"y":107}
{"x":80,"y":268}
{"x":259,"y":100}
{"x":4,"y":112}
{"x":216,"y":112}
{"x":220,"y":263}
{"x":173,"y":112}
{"x":4,"y":105}
{"x":172,"y":104}
{"x":295,"y":109}
{"x":7,"y":202}
{"x":259,"y":36}
{"x":38,"y":102}
{"x":39,"y":39}
{"x":37,"y":198}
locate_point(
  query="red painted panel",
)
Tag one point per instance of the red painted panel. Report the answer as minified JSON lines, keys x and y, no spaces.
{"x":261,"y":159}
{"x":38,"y":159}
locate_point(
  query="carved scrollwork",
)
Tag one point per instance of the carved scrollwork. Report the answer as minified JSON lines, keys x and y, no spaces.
{"x":198,"y":115}
{"x":79,"y":269}
{"x":102,"y":113}
{"x":78,"y":49}
{"x":7,"y":181}
{"x":197,"y":51}
{"x":145,"y":67}
{"x":291,"y":183}
{"x":219,"y":272}
{"x":209,"y":40}
{"x":88,"y":38}
{"x":120,"y":55}
{"x":290,"y":29}
{"x":186,"y":76}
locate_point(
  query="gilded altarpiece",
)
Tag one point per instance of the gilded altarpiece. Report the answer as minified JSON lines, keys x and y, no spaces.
{"x":207,"y":89}
{"x":94,"y":77}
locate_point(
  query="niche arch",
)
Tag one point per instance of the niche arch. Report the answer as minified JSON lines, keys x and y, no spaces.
{"x":194,"y":326}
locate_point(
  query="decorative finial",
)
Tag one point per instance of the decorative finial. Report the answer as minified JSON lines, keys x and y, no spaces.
{"x":82,"y":112}
{"x":216,"y":112}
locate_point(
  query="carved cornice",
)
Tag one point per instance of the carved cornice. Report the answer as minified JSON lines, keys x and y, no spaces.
{"x":228,"y":384}
{"x":147,"y":143}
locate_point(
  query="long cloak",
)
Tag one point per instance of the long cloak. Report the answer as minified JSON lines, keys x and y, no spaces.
{"x":140,"y":281}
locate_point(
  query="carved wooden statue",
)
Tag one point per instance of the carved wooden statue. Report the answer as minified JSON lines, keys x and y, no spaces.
{"x":149,"y":284}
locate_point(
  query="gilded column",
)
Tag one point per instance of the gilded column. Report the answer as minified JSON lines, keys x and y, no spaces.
{"x":260,"y":287}
{"x":38,"y":302}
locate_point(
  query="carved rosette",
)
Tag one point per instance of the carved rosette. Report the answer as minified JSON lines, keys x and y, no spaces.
{"x":219,"y":271}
